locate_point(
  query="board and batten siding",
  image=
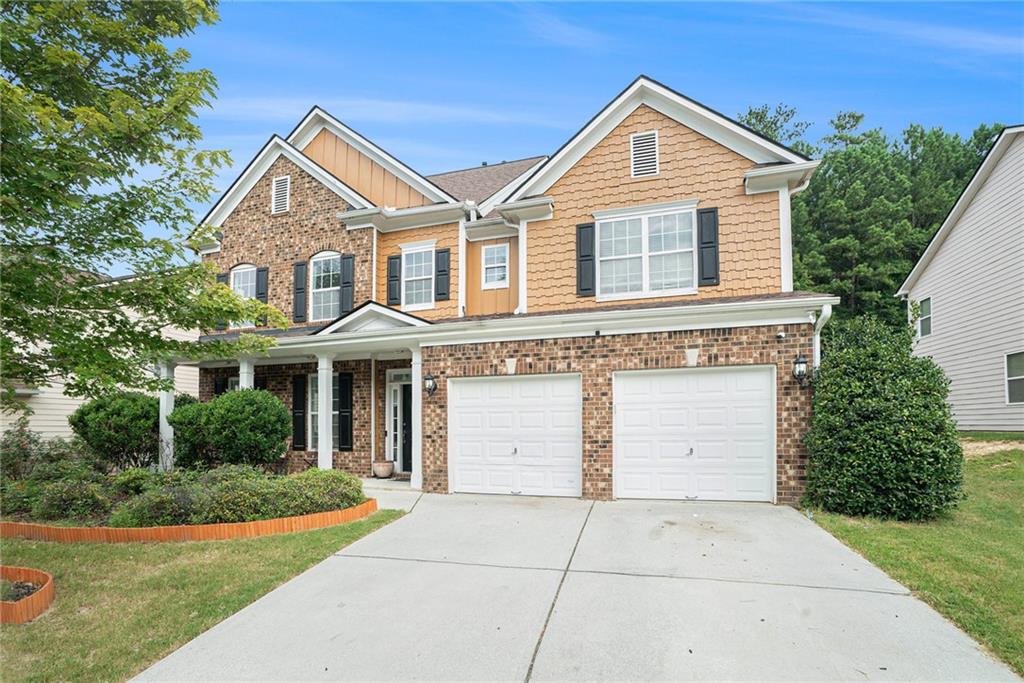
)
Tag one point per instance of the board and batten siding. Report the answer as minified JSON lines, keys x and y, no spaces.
{"x":976,"y":284}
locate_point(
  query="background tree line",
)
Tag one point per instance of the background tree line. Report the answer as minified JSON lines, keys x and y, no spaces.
{"x":873,"y":204}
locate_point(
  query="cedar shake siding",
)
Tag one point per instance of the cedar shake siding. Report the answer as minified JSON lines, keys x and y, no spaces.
{"x":691,"y":167}
{"x":389,"y":244}
{"x":277,"y":241}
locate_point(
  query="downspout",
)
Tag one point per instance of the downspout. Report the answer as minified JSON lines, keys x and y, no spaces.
{"x":826,"y":313}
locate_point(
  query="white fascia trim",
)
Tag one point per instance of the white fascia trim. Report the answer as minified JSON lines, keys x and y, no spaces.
{"x":275,"y":148}
{"x":209,"y":249}
{"x":487,"y":205}
{"x":386,"y":219}
{"x":372,"y":309}
{"x":491,"y":228}
{"x":623,"y":321}
{"x":980,"y":176}
{"x":533,"y":209}
{"x":793,"y":177}
{"x":671,"y":104}
{"x":318,"y":119}
{"x":644,"y":210}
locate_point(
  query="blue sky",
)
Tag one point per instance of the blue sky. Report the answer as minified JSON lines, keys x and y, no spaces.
{"x":446,"y":86}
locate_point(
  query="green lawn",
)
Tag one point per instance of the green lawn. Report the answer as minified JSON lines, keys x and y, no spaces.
{"x":969,"y":565}
{"x":993,"y":436}
{"x":121,"y":607}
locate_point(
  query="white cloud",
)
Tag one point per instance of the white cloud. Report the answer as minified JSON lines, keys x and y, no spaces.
{"x":554,"y":30}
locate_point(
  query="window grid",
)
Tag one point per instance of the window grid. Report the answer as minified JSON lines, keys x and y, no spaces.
{"x":418,"y":279}
{"x":651,"y":255}
{"x":243,"y":283}
{"x":325,"y":286}
{"x":313,"y":409}
{"x":495,"y":266}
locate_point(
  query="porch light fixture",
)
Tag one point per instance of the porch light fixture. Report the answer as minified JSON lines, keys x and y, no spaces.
{"x":429,"y":384}
{"x":800,"y":370}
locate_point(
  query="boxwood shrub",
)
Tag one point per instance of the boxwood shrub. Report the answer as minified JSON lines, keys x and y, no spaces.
{"x":882,"y":440}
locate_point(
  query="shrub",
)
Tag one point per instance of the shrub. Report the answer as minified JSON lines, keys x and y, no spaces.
{"x":882,"y":440}
{"x":17,"y":496}
{"x":325,"y":490}
{"x":165,"y":506}
{"x":191,"y":445}
{"x":247,"y":426}
{"x":135,"y":480}
{"x":122,"y":428}
{"x":71,"y":500}
{"x":19,"y":445}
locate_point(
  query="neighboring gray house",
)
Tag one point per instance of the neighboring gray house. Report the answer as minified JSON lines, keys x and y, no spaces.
{"x":969,"y":284}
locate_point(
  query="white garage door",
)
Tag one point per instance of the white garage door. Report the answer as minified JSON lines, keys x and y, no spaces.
{"x":515,"y":435}
{"x":695,"y":434}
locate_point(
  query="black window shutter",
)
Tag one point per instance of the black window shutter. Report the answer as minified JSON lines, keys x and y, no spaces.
{"x":585,"y":259}
{"x":299,"y":412}
{"x":343,"y":404}
{"x":262,"y":285}
{"x":442,"y":274}
{"x":394,"y":280}
{"x":223,"y":279}
{"x":348,"y":277}
{"x":259,"y":382}
{"x":220,"y":385}
{"x":299,"y":292}
{"x":707,"y":246}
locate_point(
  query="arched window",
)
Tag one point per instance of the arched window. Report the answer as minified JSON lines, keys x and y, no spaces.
{"x":325,"y":286}
{"x":243,"y":282}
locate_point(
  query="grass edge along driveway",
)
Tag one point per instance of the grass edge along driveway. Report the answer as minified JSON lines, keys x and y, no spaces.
{"x":121,"y":607}
{"x":969,"y":565}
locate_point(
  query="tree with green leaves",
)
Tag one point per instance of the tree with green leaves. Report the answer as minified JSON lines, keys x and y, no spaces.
{"x":100,"y":168}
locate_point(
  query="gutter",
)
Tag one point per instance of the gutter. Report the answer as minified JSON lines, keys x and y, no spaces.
{"x":826,"y":313}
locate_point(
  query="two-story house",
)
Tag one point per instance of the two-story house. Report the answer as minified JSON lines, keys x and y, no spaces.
{"x":615,"y":320}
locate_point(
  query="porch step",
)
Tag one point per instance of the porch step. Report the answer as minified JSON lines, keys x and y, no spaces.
{"x":402,"y":476}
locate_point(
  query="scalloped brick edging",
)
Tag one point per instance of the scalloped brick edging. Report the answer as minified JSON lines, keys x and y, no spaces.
{"x":186,"y":532}
{"x":31,"y":606}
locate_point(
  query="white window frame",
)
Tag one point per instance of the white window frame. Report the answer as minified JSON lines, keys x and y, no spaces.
{"x":1007,"y":378}
{"x":931,"y":313}
{"x":322,"y":256}
{"x":603,"y":217}
{"x":243,"y":268}
{"x":233,"y":383}
{"x":312,"y":409}
{"x":657,"y":155}
{"x":274,"y":211}
{"x":417,"y":248}
{"x":497,"y":284}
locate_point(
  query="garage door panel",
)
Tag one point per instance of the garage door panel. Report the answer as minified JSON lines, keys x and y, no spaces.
{"x":712,"y":417}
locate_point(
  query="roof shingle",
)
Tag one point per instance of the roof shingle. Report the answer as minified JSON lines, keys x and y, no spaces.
{"x":480,"y":182}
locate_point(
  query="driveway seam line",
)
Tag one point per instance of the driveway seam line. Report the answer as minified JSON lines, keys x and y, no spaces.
{"x":558,"y":590}
{"x":424,"y":560}
{"x":416,"y":502}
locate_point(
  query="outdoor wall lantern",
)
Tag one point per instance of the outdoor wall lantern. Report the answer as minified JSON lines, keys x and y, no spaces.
{"x":429,"y":384}
{"x":800,"y":370}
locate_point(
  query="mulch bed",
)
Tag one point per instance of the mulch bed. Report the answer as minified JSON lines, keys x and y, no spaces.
{"x":16,"y":590}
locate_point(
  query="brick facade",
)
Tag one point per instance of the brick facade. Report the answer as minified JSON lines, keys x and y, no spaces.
{"x":596,"y":358}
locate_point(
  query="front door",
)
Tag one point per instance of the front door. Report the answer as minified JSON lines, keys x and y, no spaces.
{"x":406,"y":428}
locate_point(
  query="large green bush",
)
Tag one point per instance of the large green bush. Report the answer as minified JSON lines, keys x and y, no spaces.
{"x":249,"y":426}
{"x":122,"y":428}
{"x":882,"y":440}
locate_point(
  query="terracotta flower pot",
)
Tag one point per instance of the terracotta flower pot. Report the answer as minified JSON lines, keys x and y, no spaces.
{"x":383,"y":470}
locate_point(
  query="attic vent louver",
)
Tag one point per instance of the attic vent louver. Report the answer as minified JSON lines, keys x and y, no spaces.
{"x":280,"y":195}
{"x":643,"y":148}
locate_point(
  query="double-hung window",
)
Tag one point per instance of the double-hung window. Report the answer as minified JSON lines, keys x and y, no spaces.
{"x":417,"y":277}
{"x":1015,"y":377}
{"x":313,"y":411}
{"x":495,"y":266}
{"x":646,"y":254}
{"x":924,"y":321}
{"x":243,"y":282}
{"x":325,"y":286}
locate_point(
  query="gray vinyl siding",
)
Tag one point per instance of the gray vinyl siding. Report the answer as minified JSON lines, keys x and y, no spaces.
{"x":976,"y":284}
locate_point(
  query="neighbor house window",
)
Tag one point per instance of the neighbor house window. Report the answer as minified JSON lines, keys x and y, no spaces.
{"x":243,"y":282}
{"x":646,"y":255}
{"x":495,"y":266}
{"x":924,"y":322}
{"x":418,"y":278}
{"x":1015,"y":377}
{"x":313,"y":411}
{"x":325,"y":286}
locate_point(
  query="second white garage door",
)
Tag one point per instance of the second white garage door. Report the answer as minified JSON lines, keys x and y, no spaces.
{"x":515,"y":435}
{"x":702,"y":434}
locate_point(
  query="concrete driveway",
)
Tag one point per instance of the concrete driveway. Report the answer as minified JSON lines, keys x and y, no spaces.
{"x":503,"y":588}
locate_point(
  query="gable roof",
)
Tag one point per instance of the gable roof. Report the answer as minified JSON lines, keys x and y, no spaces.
{"x":318,"y":119}
{"x":1002,"y":143}
{"x":268,"y":154}
{"x":647,"y":91}
{"x":370,"y":316}
{"x":480,"y":182}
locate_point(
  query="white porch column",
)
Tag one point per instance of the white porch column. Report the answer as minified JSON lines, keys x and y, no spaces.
{"x":325,"y":392}
{"x":246,"y":373}
{"x":166,"y":456}
{"x":416,"y":480}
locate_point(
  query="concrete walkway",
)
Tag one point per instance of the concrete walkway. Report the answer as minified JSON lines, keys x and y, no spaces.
{"x":504,"y":588}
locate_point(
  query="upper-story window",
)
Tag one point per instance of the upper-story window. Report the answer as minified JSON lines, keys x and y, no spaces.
{"x":418,"y":276}
{"x":281,"y":194}
{"x":495,"y":266}
{"x":643,"y":154}
{"x":243,"y":282}
{"x":646,"y":255}
{"x":324,"y":286}
{"x":924,"y":321}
